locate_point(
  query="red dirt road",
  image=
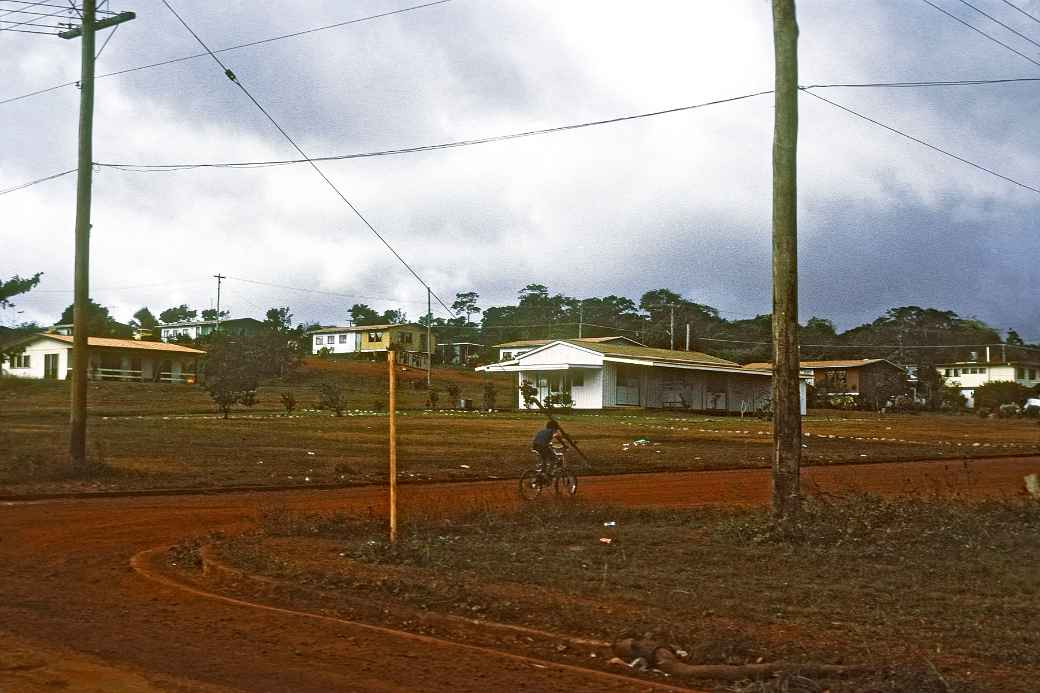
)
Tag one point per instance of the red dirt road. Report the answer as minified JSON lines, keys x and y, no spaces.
{"x":73,"y":615}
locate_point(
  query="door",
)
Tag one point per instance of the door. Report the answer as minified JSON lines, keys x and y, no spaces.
{"x":627,"y":392}
{"x":50,"y":366}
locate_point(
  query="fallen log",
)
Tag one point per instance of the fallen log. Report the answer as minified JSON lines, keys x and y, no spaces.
{"x":662,"y":657}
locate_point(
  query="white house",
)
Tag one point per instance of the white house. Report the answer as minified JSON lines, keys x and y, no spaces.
{"x":49,"y":356}
{"x":600,"y":375}
{"x":194,"y":329}
{"x":510,"y":350}
{"x":997,"y":365}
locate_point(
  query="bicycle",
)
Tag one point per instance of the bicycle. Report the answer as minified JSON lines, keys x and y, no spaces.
{"x":558,"y":476}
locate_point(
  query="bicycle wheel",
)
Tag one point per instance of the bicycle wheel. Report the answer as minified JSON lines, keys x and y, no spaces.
{"x":566,"y":483}
{"x":531,"y":484}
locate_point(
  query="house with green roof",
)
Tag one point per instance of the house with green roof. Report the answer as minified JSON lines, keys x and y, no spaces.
{"x":601,"y":375}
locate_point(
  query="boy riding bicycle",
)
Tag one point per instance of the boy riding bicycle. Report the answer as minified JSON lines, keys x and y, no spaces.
{"x":543,"y":445}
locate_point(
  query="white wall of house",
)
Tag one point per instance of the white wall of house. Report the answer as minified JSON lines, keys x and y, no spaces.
{"x":37,"y":353}
{"x":336,"y":342}
{"x":967,"y":377}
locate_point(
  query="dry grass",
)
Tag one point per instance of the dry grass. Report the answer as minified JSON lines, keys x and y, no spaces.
{"x":161,"y":436}
{"x":903,"y":584}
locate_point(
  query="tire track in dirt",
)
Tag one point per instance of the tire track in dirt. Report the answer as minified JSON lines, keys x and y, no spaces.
{"x":65,"y":578}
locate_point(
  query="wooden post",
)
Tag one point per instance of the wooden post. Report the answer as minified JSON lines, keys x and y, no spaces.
{"x":81,"y":281}
{"x":787,"y":421}
{"x":392,"y":412}
{"x":687,"y":336}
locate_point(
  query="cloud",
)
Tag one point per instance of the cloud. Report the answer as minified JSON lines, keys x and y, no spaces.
{"x":681,"y":200}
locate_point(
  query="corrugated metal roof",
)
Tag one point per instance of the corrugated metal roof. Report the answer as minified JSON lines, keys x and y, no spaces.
{"x":543,"y":342}
{"x":835,"y":363}
{"x":109,"y":342}
{"x":364,"y":328}
{"x":651,"y":353}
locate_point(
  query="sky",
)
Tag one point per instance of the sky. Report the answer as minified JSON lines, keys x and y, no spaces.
{"x":680,"y":201}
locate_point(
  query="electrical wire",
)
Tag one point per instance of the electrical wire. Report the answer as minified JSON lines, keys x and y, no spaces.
{"x":997,"y":21}
{"x":1020,"y":10}
{"x":980,"y":31}
{"x":231,"y":75}
{"x":250,"y":44}
{"x":923,"y":143}
{"x":38,"y":180}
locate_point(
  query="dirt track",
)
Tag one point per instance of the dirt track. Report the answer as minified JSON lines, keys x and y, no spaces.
{"x":73,"y":615}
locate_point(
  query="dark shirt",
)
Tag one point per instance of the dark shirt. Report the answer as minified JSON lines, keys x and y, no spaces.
{"x":543,"y":438}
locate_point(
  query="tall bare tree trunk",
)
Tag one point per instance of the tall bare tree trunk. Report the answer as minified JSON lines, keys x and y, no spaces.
{"x":787,"y":421}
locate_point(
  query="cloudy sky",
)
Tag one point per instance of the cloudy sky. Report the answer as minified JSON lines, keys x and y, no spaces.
{"x":679,"y":201}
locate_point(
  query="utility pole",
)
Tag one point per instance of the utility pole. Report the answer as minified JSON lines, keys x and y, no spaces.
{"x":391,"y":360}
{"x":671,"y":330}
{"x":81,"y":281}
{"x":429,"y":339}
{"x":787,"y":420}
{"x":581,"y":317}
{"x":687,"y":336}
{"x":219,"y":278}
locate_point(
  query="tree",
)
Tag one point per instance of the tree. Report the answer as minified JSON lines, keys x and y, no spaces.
{"x":931,"y":384}
{"x":212,"y":314}
{"x":1014,"y":339}
{"x":99,"y":322}
{"x":393,"y":316}
{"x":144,"y":319}
{"x":278,"y":319}
{"x":466,"y":302}
{"x":232,"y":374}
{"x":179,"y":313}
{"x":361,"y":314}
{"x":332,"y":396}
{"x":16,"y":285}
{"x":992,"y":395}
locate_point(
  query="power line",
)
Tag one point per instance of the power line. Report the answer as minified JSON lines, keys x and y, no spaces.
{"x":142,"y":168}
{"x":231,"y":75}
{"x":876,"y":346}
{"x":980,"y":31}
{"x":38,"y":180}
{"x":229,"y":48}
{"x":1020,"y":10}
{"x":431,"y":147}
{"x":324,"y":293}
{"x":922,"y":142}
{"x":997,"y":21}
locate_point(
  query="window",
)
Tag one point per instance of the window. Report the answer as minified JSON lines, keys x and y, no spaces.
{"x":507,"y":355}
{"x":20,"y":361}
{"x":956,"y":372}
{"x":1032,"y":374}
{"x":578,"y":379}
{"x":946,"y":372}
{"x":1020,"y":373}
{"x":982,"y":371}
{"x":405,"y":338}
{"x":317,"y":340}
{"x":375,"y":336}
{"x":343,"y":339}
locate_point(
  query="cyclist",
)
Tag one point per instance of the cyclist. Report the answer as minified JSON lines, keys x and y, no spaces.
{"x":543,"y":444}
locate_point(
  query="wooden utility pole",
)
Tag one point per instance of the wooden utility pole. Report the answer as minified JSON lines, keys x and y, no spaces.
{"x":429,"y":339}
{"x":81,"y":280}
{"x":219,"y":277}
{"x":671,"y":330}
{"x":687,"y":336}
{"x":787,"y":420}
{"x":392,"y":414}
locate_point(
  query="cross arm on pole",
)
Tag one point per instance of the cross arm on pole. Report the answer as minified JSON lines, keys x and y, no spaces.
{"x":102,"y":24}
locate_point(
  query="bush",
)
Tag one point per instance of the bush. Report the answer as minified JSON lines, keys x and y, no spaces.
{"x":983,"y":412}
{"x":453,"y":393}
{"x":289,"y":401}
{"x":432,"y":397}
{"x":1008,"y":411}
{"x":490,"y":394}
{"x":332,"y":396}
{"x":993,"y":395}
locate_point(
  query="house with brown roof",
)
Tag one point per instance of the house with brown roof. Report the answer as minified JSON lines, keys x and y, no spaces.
{"x":409,"y":339}
{"x":608,"y":374}
{"x":510,"y":350}
{"x":853,"y":378}
{"x":49,"y":356}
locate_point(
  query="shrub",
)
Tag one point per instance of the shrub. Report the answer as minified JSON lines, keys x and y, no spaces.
{"x":453,"y":393}
{"x":994,"y":394}
{"x":490,"y":393}
{"x":1008,"y":411}
{"x":983,"y":412}
{"x":432,"y":397}
{"x":332,"y":396}
{"x":289,"y":401}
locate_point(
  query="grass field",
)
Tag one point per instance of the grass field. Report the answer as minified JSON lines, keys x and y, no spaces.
{"x":940,"y":595}
{"x":164,"y":436}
